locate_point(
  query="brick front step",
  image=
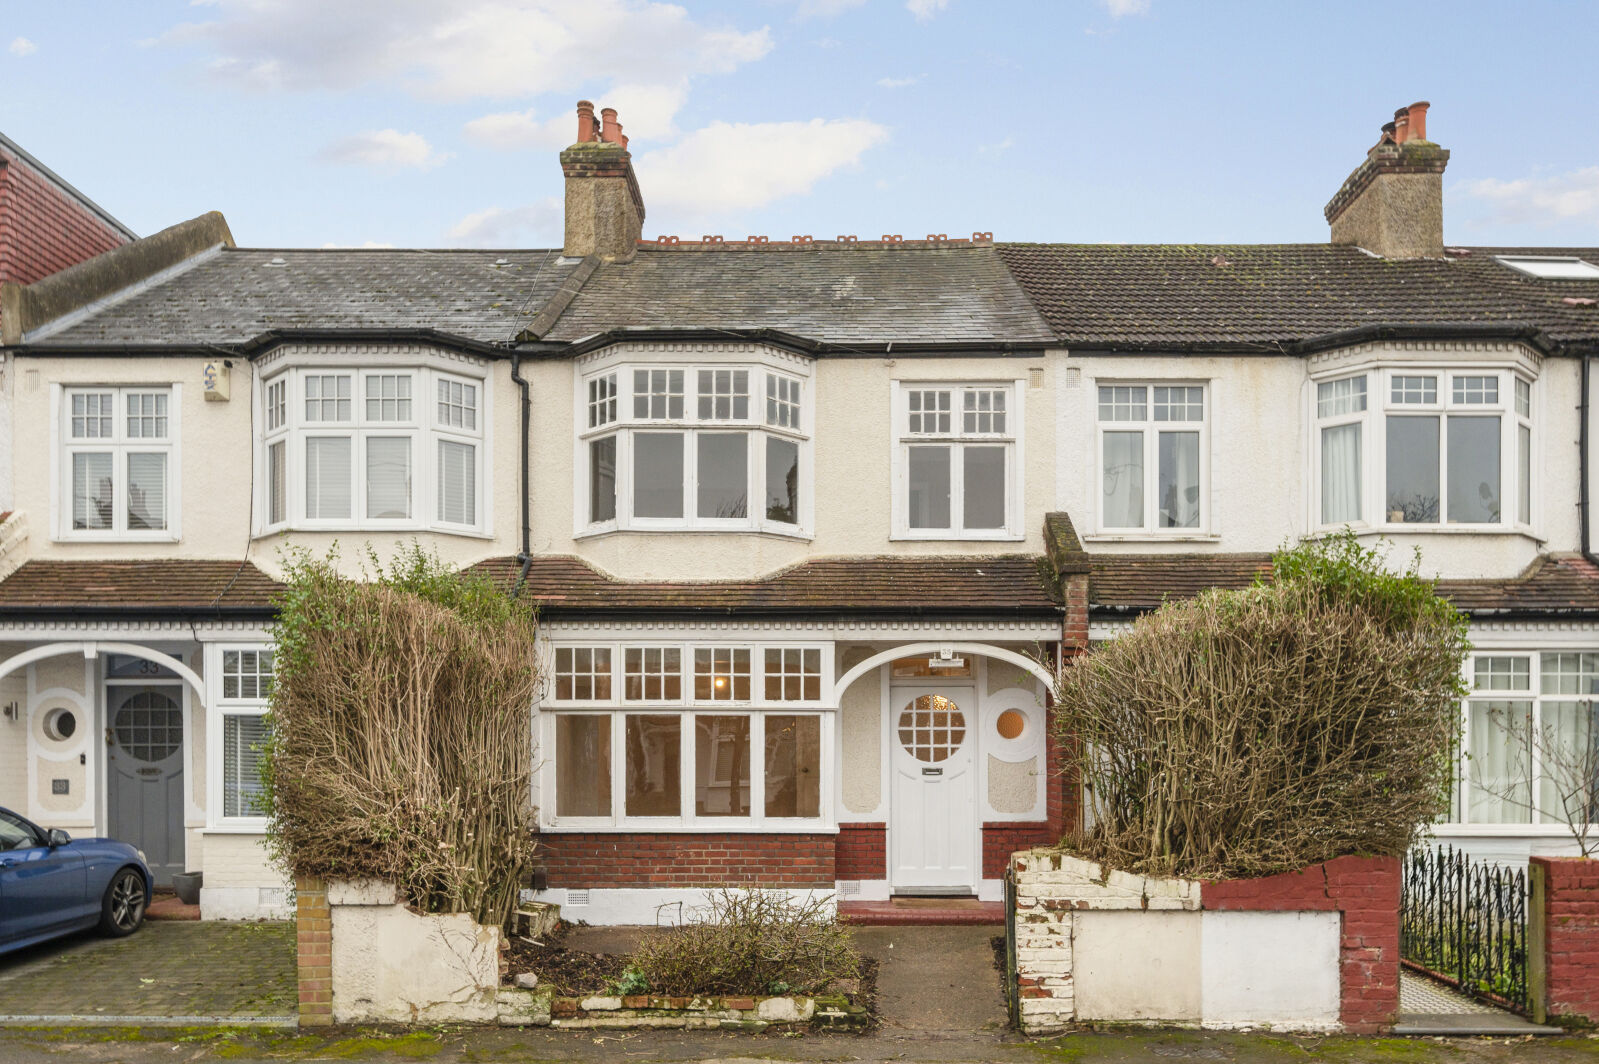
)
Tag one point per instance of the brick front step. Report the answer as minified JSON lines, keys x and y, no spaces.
{"x":923,"y":912}
{"x":168,"y":907}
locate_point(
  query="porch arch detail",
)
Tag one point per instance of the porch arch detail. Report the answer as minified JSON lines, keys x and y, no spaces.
{"x":910,"y":649}
{"x":94,"y":648}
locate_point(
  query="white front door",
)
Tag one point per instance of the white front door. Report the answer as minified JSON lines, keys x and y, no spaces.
{"x":932,"y":835}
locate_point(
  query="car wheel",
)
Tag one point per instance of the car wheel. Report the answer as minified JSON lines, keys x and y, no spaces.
{"x":122,"y":909}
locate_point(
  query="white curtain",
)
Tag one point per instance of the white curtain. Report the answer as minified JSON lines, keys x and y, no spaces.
{"x":1566,"y":747}
{"x":1179,"y":480}
{"x":1124,"y":480}
{"x":1340,"y":474}
{"x":1501,"y":763}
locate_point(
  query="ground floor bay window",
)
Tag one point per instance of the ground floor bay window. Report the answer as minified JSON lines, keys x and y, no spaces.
{"x":1530,"y":742}
{"x":712,"y":769}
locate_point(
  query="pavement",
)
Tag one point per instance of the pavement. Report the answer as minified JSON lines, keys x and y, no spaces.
{"x":167,"y":971}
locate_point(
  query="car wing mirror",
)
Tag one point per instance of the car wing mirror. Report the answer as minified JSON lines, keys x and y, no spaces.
{"x":58,"y":837}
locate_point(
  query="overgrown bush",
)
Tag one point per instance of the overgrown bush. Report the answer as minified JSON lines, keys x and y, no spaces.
{"x":401,"y":732}
{"x":750,"y":942}
{"x":1250,"y":732}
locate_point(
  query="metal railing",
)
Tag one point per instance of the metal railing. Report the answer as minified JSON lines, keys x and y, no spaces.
{"x":1466,"y":922}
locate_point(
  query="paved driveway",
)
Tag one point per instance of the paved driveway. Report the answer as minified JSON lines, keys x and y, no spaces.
{"x":170,"y":971}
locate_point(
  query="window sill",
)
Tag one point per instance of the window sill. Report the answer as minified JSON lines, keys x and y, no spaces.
{"x":236,"y":829}
{"x":120,"y":537}
{"x":645,"y":826}
{"x":437,"y":530}
{"x":1511,"y":831}
{"x":1152,"y":537}
{"x":596,"y":533}
{"x":956,"y":537}
{"x":1430,"y":530}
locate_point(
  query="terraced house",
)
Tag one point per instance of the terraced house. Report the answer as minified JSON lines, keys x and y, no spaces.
{"x":809,"y":523}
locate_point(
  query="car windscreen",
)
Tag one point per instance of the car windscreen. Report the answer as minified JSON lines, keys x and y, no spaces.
{"x":14,"y":834}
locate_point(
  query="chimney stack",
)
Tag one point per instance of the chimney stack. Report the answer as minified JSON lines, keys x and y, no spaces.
{"x":604,"y":208}
{"x":1392,"y":205}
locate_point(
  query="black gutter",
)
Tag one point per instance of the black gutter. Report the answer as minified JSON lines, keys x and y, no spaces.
{"x":791,"y":341}
{"x":557,"y":612}
{"x":526,"y":556}
{"x":1469,"y":330}
{"x":134,"y":612}
{"x":261,"y":343}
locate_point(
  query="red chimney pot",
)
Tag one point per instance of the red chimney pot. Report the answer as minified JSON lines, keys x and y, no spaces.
{"x":1418,"y":120}
{"x":610,"y":132}
{"x":585,"y":122}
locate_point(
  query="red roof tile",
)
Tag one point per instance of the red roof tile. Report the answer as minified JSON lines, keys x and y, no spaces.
{"x":134,"y":585}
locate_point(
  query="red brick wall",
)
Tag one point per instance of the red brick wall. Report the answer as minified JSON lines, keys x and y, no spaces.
{"x":1366,"y":891}
{"x":1571,"y":935}
{"x":687,"y":860}
{"x":862,"y":851}
{"x":1001,"y":839}
{"x":42,"y":229}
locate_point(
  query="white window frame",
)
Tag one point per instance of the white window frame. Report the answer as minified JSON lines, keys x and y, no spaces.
{"x":425,"y":429}
{"x":957,"y":438}
{"x":625,"y":426}
{"x":757,"y":707}
{"x":217,"y":708}
{"x":119,"y":445}
{"x":1151,"y":430}
{"x":1374,"y":443}
{"x":1534,"y":825}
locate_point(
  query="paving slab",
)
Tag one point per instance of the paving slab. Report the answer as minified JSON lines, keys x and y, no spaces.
{"x":167,"y":971}
{"x":935,"y":979}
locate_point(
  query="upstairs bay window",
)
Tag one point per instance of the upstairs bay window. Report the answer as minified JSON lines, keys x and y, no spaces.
{"x":1152,"y":458}
{"x":693,"y":447}
{"x":694,"y":736}
{"x":956,"y":464}
{"x":372,"y":448}
{"x":118,"y":464}
{"x":1425,"y":447}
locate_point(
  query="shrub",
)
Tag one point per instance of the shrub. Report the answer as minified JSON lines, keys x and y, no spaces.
{"x":1250,"y":732}
{"x":401,"y":733}
{"x":750,"y":942}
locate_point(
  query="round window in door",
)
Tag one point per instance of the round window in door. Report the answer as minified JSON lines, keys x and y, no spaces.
{"x":931,"y":728}
{"x":149,"y":726}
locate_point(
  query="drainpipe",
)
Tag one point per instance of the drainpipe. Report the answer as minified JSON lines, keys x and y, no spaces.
{"x":1584,"y":523}
{"x":526,"y":555}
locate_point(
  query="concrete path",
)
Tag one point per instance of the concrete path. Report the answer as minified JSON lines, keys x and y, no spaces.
{"x":165,"y":971}
{"x":935,"y":979}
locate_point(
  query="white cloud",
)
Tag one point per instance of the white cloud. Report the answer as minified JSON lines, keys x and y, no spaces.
{"x":898,"y":83}
{"x":383,"y":147}
{"x":513,"y":130}
{"x":538,"y":224}
{"x":924,"y":10}
{"x":1553,"y":199}
{"x":729,"y":167}
{"x":1121,"y":8}
{"x":1004,"y":145}
{"x":825,"y":8}
{"x":21,"y":46}
{"x":475,"y":49}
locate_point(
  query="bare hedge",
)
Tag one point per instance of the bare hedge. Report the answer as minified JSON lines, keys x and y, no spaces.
{"x":1249,"y":732}
{"x":401,"y":733}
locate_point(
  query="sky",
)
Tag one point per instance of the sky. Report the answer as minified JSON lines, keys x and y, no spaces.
{"x":437,"y":123}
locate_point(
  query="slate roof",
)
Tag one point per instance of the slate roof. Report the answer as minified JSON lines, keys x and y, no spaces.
{"x":1001,"y":584}
{"x":830,"y":292}
{"x":1553,"y":584}
{"x":1270,"y":296}
{"x":167,"y":584}
{"x":235,"y":294}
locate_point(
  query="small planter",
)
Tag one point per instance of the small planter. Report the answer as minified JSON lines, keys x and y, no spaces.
{"x":187,"y":886}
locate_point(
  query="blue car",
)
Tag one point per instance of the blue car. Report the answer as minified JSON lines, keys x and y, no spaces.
{"x":52,"y":884}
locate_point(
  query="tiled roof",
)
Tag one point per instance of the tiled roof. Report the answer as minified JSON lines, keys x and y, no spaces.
{"x":1132,"y":583}
{"x":234,"y":295}
{"x":835,"y":293}
{"x":134,"y":585}
{"x":1011,"y":583}
{"x":1270,"y":296}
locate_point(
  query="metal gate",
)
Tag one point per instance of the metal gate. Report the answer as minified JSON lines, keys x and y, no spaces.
{"x":1465,"y":922}
{"x":1012,"y":995}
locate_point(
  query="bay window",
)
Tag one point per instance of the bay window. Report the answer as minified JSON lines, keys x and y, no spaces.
{"x":688,"y":735}
{"x":1152,"y":458}
{"x":372,"y":448}
{"x":1450,"y":448}
{"x":957,"y":467}
{"x":693,"y":447}
{"x":1530,"y":747}
{"x":118,"y":463}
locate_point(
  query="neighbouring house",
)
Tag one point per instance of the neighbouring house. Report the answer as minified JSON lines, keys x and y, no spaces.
{"x":809,"y":524}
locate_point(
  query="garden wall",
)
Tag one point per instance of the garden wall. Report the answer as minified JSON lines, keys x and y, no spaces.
{"x":1564,"y":913}
{"x":1316,"y":949}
